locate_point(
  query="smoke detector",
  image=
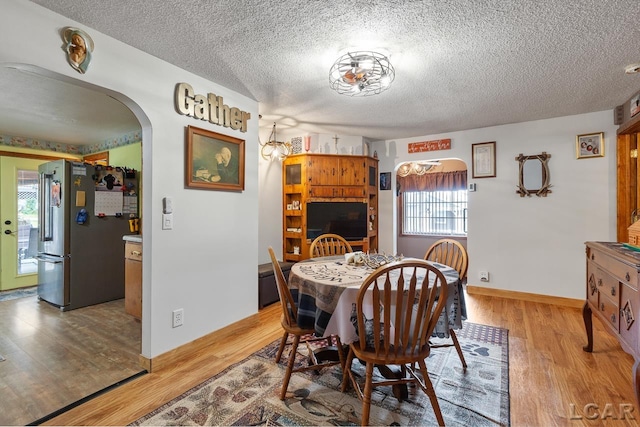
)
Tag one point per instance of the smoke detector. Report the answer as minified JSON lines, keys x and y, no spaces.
{"x":632,"y":69}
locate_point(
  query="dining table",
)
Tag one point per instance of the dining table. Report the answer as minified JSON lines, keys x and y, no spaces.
{"x":326,"y":289}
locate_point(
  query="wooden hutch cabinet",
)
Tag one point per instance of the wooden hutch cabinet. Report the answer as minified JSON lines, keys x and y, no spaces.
{"x":628,"y":192}
{"x":322,"y":178}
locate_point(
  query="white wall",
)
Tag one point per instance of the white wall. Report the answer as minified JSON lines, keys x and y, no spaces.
{"x":207,"y":264}
{"x":535,"y":244}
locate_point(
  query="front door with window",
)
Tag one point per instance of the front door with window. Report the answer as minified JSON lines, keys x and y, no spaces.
{"x":19,"y":218}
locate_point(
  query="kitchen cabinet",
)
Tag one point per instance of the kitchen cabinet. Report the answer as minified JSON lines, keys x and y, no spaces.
{"x":133,"y":279}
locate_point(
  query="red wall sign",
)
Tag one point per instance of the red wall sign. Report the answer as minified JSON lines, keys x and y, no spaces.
{"x":438,"y":144}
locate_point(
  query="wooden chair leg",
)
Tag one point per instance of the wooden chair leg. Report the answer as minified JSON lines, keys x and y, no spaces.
{"x":292,"y":359}
{"x":366,"y":398}
{"x":283,"y":342}
{"x":431,"y":392}
{"x":458,"y":349}
{"x":346,"y":369}
{"x":341,"y":355}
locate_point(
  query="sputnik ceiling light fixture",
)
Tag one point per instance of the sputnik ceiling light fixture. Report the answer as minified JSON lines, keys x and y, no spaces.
{"x":361,"y":73}
{"x":274,"y":149}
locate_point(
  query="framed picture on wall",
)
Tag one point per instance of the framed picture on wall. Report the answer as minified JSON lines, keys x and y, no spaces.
{"x":214,"y":161}
{"x":385,"y":180}
{"x":483,"y":160}
{"x":590,"y":145}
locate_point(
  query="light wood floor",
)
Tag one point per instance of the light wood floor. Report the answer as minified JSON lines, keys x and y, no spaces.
{"x":548,"y":371}
{"x":55,"y":358}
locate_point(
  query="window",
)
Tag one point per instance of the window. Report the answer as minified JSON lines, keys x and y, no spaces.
{"x":434,"y":212}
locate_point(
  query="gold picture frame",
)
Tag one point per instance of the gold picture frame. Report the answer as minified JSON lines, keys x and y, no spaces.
{"x":483,"y":160}
{"x":214,"y":161}
{"x":590,"y":145}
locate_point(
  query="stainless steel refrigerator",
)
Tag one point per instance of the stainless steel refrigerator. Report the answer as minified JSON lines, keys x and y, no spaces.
{"x":80,"y":254}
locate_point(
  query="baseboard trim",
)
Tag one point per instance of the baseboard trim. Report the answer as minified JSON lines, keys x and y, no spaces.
{"x":525,"y":296}
{"x":189,"y":349}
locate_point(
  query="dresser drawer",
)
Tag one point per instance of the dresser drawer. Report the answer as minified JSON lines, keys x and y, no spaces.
{"x":607,"y":284}
{"x":609,"y":311}
{"x":620,"y":270}
{"x":133,"y":251}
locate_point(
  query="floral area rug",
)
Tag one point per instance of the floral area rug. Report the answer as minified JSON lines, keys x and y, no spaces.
{"x":247,"y":393}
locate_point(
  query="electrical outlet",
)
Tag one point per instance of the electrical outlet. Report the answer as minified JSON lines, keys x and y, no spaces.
{"x":484,"y":276}
{"x":178,"y":317}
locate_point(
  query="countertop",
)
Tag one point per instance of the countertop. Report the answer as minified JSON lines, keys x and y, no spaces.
{"x":132,"y":238}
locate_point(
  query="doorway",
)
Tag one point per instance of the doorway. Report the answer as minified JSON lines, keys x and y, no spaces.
{"x":430,"y":204}
{"x":19,"y":215}
{"x":53,"y":355}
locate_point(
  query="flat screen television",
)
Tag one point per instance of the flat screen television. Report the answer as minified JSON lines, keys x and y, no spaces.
{"x":348,"y":219}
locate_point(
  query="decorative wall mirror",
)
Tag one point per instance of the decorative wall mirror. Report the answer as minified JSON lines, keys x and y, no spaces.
{"x":534,"y":175}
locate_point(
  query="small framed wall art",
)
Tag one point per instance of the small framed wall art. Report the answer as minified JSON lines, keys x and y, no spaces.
{"x":385,"y":180}
{"x":483,"y":160}
{"x":214,"y":161}
{"x":590,"y":145}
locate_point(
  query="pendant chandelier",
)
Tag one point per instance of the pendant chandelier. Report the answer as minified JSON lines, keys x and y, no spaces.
{"x":361,"y":73}
{"x":417,"y":168}
{"x":274,"y":149}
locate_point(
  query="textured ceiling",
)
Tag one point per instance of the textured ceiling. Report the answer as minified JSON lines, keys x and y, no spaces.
{"x":58,"y":111}
{"x":460,"y":64}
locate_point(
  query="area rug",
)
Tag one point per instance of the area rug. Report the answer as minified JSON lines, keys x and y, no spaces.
{"x":247,"y":393}
{"x":18,"y":293}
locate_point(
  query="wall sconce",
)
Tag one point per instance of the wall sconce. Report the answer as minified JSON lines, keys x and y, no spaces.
{"x":274,"y":149}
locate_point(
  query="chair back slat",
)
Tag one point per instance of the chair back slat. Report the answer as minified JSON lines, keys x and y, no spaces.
{"x":329,"y":245}
{"x":449,"y":252}
{"x":289,"y":308}
{"x":406,"y":298}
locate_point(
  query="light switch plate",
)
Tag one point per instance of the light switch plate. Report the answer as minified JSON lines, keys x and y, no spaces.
{"x":167,"y":221}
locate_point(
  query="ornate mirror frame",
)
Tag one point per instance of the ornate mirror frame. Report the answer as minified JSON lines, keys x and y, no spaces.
{"x":531,"y":179}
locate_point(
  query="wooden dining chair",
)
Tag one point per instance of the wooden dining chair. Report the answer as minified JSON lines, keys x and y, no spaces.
{"x":328,"y":245}
{"x":300,"y":335}
{"x":406,"y":299}
{"x":450,"y":252}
